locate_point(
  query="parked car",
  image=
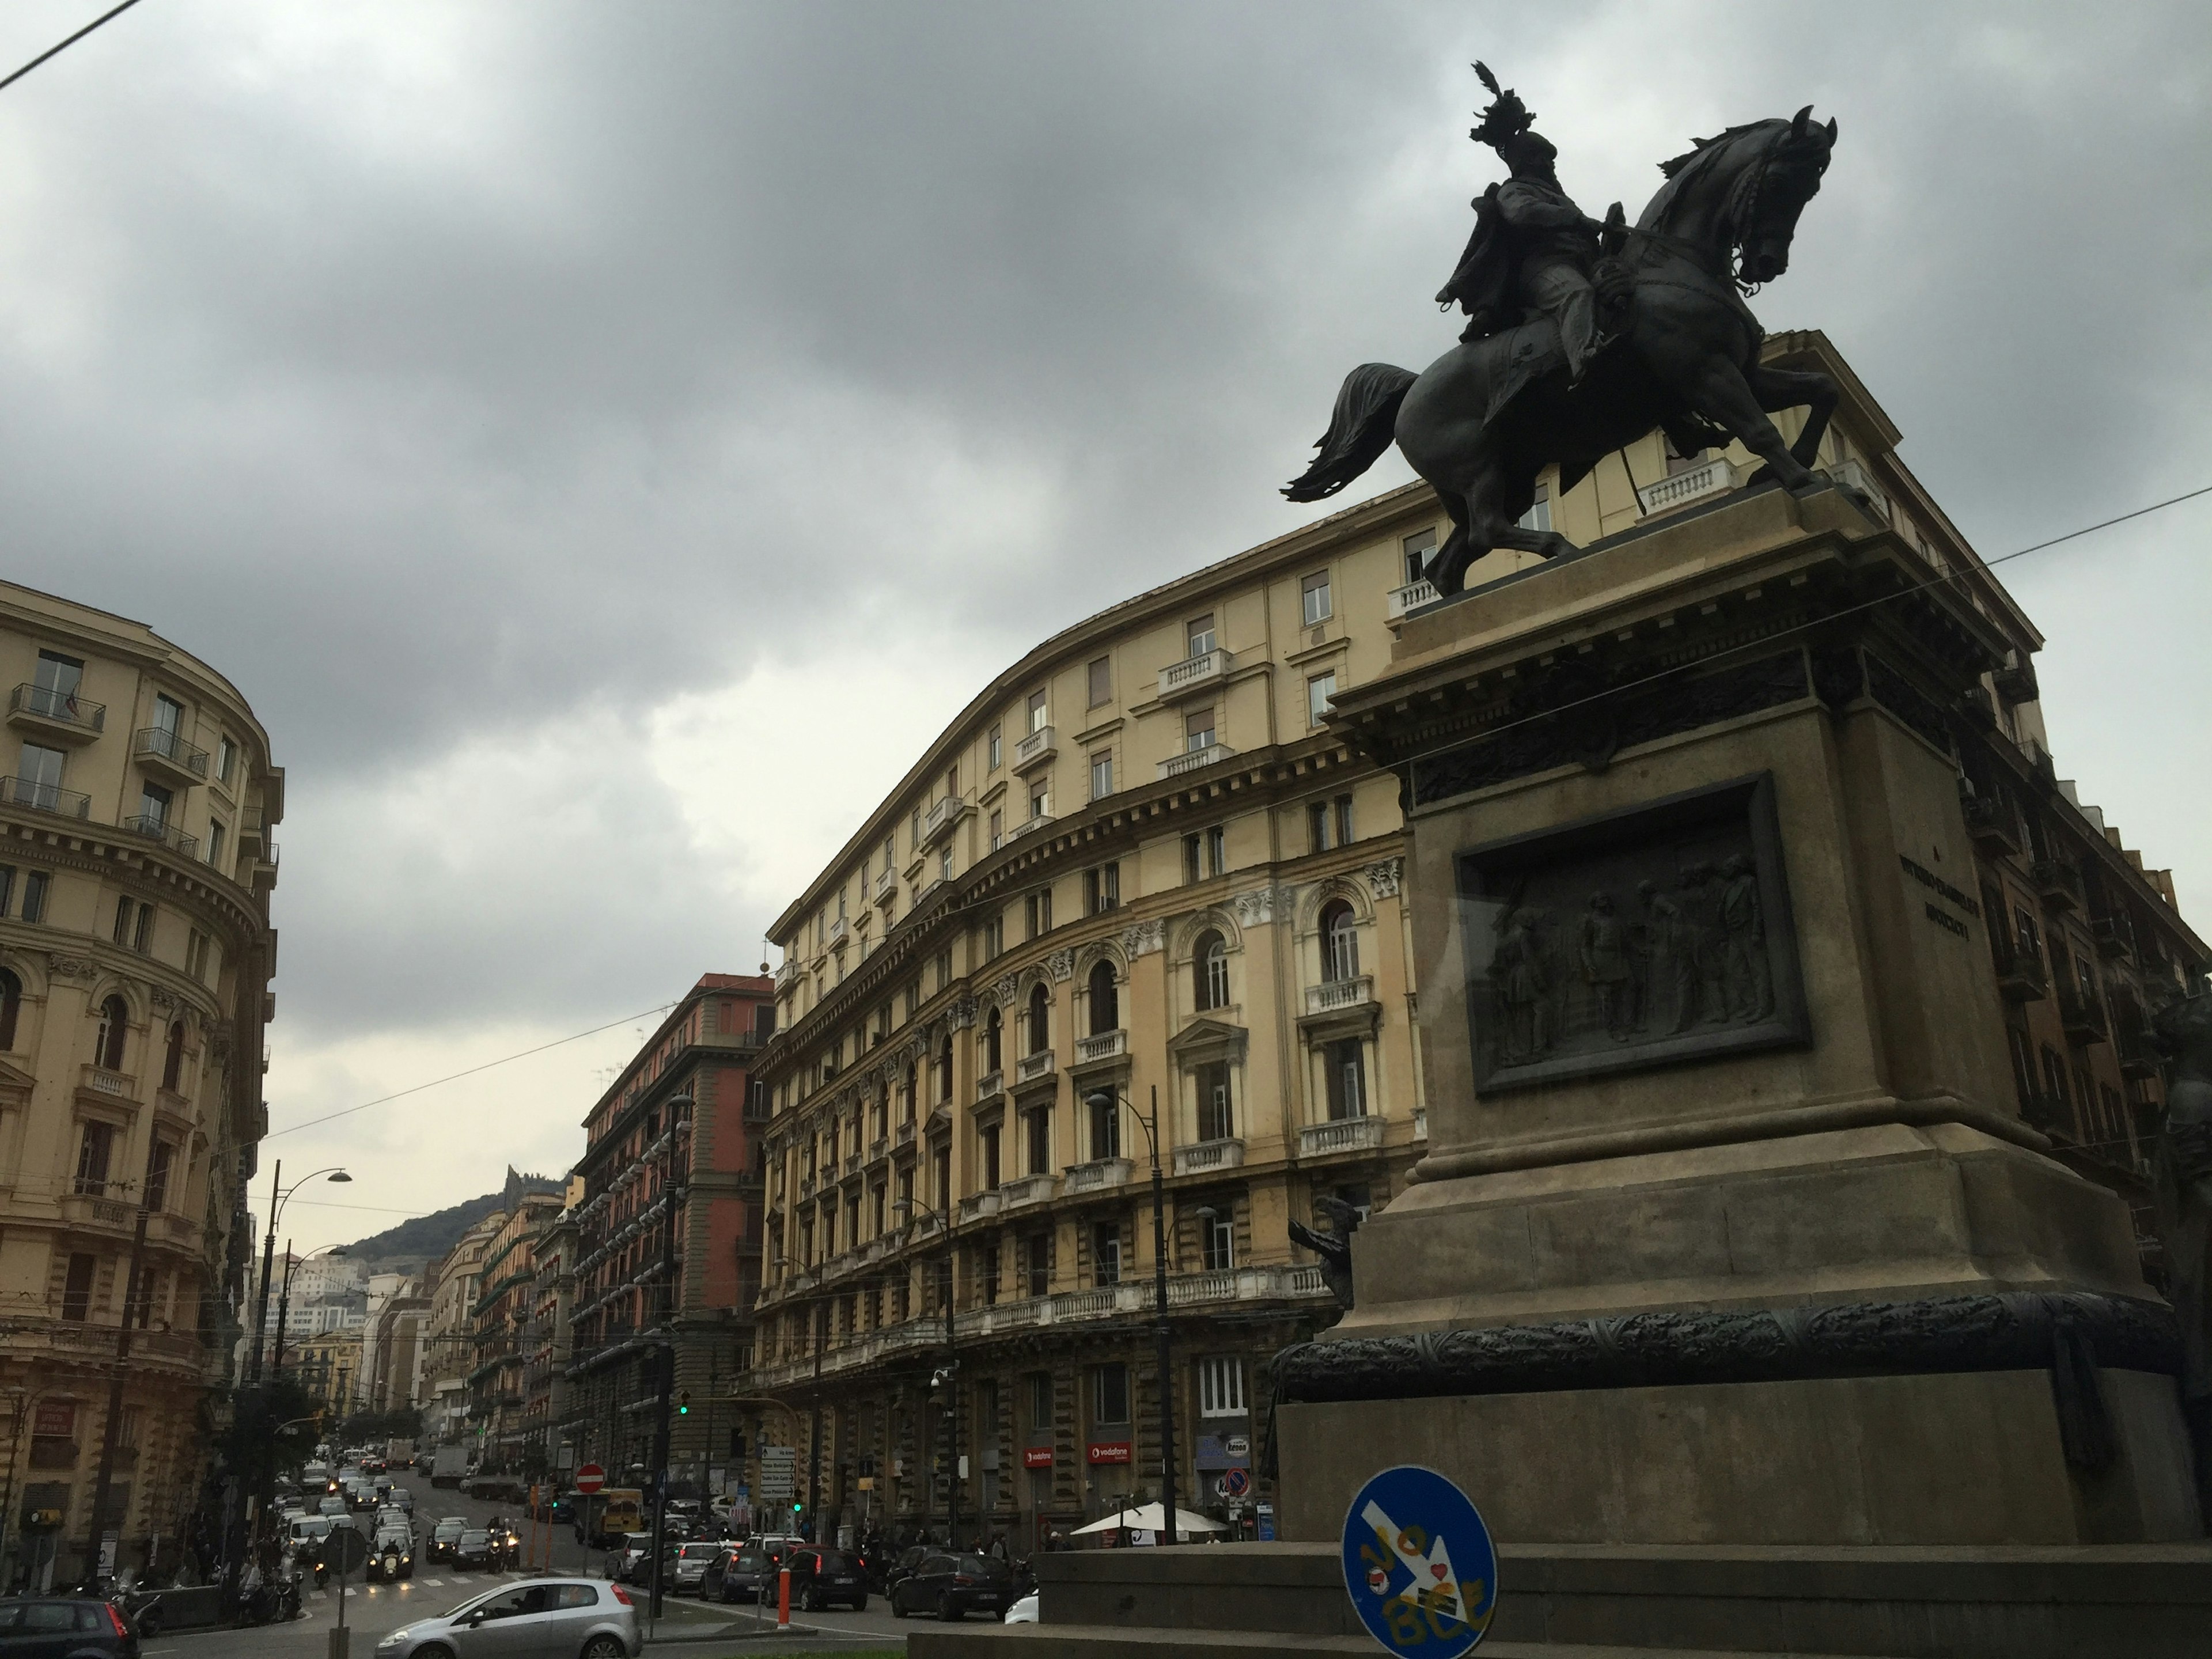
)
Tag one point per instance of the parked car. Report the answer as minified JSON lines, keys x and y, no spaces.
{"x":634,"y":1558}
{"x":392,"y":1556}
{"x":1024,"y":1612}
{"x":954,"y":1586}
{"x":690,"y":1573}
{"x":821,"y":1579}
{"x":538,"y":1619}
{"x":472,"y":1550}
{"x":738,"y":1573}
{"x":902,"y":1565}
{"x":445,"y":1536}
{"x":73,"y":1628}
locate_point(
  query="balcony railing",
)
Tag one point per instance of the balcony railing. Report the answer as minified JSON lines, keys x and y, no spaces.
{"x":886,"y":888}
{"x":2059,"y":883}
{"x":1037,"y":745}
{"x":2021,"y":976}
{"x":45,"y":797}
{"x":1412,"y":596}
{"x":2114,"y":933}
{"x":990,"y":1084}
{"x":1026,"y":1189}
{"x":1029,"y":1067}
{"x":1106,"y":1045}
{"x":1340,"y":994}
{"x":837,"y":931}
{"x":1025,"y":827}
{"x":2083,"y":1016}
{"x":1852,"y":475}
{"x":1207,"y":668}
{"x":1097,"y":1175}
{"x":1715,"y":477}
{"x":977,"y":1205}
{"x":905,"y":1133}
{"x":168,"y":749}
{"x":1993,"y":825}
{"x":80,"y":716}
{"x":943,"y":815}
{"x":1208,"y":1155}
{"x":1348,"y":1134}
{"x":1195,"y":760}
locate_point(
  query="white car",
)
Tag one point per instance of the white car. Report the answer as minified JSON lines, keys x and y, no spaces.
{"x":537,"y":1619}
{"x":1024,"y":1612}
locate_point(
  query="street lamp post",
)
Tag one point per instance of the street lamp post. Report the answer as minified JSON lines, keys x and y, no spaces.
{"x":679,"y":1108}
{"x":1104,"y":1101}
{"x":949,"y":1375}
{"x":284,"y":1299}
{"x":277,"y":1195}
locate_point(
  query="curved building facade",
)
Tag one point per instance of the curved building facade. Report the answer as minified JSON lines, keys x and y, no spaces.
{"x":138,"y":814}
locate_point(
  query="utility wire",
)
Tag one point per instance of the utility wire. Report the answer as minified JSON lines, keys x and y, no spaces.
{"x":1946,"y":579}
{"x":56,"y":51}
{"x":417,"y":1089}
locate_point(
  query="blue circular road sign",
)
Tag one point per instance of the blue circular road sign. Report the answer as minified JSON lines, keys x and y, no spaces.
{"x":1419,"y":1564}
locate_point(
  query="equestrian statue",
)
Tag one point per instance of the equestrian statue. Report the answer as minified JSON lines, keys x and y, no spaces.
{"x":1582,"y":336}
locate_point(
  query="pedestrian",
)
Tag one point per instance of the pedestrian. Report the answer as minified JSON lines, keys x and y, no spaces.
{"x":998,"y":1547}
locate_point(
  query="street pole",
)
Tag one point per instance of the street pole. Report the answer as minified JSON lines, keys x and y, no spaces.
{"x":676,"y":1106}
{"x":268,"y":1251}
{"x":283,"y":1309}
{"x":25,"y":1400}
{"x":100,"y":1491}
{"x":951,"y":1402}
{"x":814,"y":1441}
{"x":1160,"y":1332}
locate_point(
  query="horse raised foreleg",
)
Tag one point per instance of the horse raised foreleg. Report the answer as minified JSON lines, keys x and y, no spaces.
{"x":1721,"y":392}
{"x":1791,"y":388}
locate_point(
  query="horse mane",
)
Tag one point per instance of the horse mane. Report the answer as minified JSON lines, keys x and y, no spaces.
{"x":1705,"y":154}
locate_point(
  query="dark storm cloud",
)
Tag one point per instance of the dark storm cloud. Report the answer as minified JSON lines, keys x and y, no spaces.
{"x":472,"y":381}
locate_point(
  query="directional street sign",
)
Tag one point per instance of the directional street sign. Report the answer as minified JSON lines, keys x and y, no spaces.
{"x":1419,"y":1564}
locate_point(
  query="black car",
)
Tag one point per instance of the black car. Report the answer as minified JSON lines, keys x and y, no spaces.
{"x":954,"y":1586}
{"x":71,"y":1627}
{"x":473,"y":1549}
{"x":739,"y":1574}
{"x":821,"y":1579}
{"x":445,"y":1536}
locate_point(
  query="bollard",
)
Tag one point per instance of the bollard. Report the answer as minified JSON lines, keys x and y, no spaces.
{"x":338,"y":1648}
{"x":783,"y":1598}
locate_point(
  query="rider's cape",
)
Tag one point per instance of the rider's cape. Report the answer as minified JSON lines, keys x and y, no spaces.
{"x":1482,"y":282}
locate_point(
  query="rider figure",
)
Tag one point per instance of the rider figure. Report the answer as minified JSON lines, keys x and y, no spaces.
{"x":1533,"y":248}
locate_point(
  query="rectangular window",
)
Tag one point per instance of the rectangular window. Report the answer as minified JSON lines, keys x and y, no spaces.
{"x":95,"y":1143}
{"x":1198,"y":731}
{"x":196,"y":954}
{"x":168,"y":714}
{"x":998,"y":828}
{"x":1039,"y":1139}
{"x":1101,"y":774}
{"x":142,"y":936}
{"x":1419,"y":548}
{"x":1106,"y":1252}
{"x":7,"y":887}
{"x":157,"y":1176}
{"x":1040,"y":1388}
{"x":76,"y":1290}
{"x":226,"y":758}
{"x":1102,"y":889}
{"x":39,"y":777}
{"x":1344,"y":836}
{"x":58,"y":679}
{"x":1040,"y":803}
{"x":1317,"y":607}
{"x":153,"y":806}
{"x":1348,"y":1079}
{"x":1539,"y":515}
{"x":1191,"y":870}
{"x":995,"y":938}
{"x":990,"y":1281}
{"x":1318,"y":827}
{"x":1198,"y":635}
{"x":1221,"y":1387}
{"x":125,"y":909}
{"x":1036,"y":1273}
{"x":34,"y":895}
{"x":1216,"y":1119}
{"x":218,"y":836}
{"x":998,"y":746}
{"x":1319,"y":689}
{"x":1039,"y":715}
{"x":990,"y":1138}
{"x":944,"y":863}
{"x":1105,"y":1129}
{"x":1216,"y":851}
{"x":1109,"y":1395}
{"x":1101,"y":678}
{"x":1217,"y":1242}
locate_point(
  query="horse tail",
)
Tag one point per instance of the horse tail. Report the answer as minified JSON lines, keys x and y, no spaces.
{"x":1362,"y":427}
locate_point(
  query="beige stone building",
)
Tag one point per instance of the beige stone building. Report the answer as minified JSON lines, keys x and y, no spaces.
{"x":501,"y":1318}
{"x":1140,"y":864}
{"x":137,"y":812}
{"x":452,"y":1340}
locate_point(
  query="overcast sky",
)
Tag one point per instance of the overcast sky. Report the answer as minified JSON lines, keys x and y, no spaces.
{"x":605,"y":442}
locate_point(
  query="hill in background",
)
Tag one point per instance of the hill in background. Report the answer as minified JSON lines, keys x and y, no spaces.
{"x":422,"y":1239}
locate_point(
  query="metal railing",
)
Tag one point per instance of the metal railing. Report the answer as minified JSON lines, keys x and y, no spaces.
{"x":159,"y":742}
{"x":155,"y":827}
{"x":63,"y":708}
{"x":45,"y":797}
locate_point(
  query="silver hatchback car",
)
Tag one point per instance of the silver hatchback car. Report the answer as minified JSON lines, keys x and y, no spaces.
{"x":537,"y":1619}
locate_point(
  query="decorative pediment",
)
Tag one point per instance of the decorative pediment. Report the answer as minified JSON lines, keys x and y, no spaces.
{"x":15,"y":1081}
{"x":1205,"y":1041}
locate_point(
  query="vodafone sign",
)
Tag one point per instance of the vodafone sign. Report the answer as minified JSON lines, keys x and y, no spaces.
{"x":1036,"y":1457}
{"x":1109,"y":1451}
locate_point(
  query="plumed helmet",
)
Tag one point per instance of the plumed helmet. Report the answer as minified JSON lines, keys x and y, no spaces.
{"x":1506,"y":119}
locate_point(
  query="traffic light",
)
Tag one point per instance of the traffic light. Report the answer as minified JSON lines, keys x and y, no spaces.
{"x":684,"y":1403}
{"x":798,"y":1508}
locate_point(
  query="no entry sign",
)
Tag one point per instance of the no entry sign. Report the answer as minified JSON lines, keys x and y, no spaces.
{"x":590,"y":1478}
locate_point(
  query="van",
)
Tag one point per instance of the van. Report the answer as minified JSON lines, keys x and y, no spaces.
{"x":309,"y":1529}
{"x":620,"y":1510}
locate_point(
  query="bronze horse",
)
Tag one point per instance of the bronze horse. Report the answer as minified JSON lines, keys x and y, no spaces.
{"x":1481,"y":426}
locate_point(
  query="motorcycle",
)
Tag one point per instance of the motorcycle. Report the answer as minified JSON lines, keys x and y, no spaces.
{"x":268,"y":1603}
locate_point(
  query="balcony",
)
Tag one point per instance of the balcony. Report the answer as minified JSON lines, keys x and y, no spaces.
{"x":990,"y":1084}
{"x":55,"y":713}
{"x":787,"y":975}
{"x":2114,"y":933}
{"x":838,"y":930}
{"x":806,"y":1187}
{"x":1202,"y":672}
{"x":879,"y":1149}
{"x":886,"y":888}
{"x":2015,"y":681}
{"x":1713,"y":478}
{"x":1029,"y":1067}
{"x":1100,"y":1174}
{"x":1854,"y":477}
{"x":91,"y":1210}
{"x":853,"y":1162}
{"x":166,"y":754}
{"x":2021,"y":975}
{"x":2059,"y":882}
{"x":978,"y":1206}
{"x":1245,"y":1284}
{"x":1340,"y":993}
{"x":45,"y":797}
{"x":1209,"y":1157}
{"x":2083,"y":1016}
{"x":938,"y":822}
{"x":1347,"y":1134}
{"x":1106,"y":1045}
{"x":1039,"y":746}
{"x":1195,"y":760}
{"x":1994,"y":825}
{"x":1025,"y":1190}
{"x":906,"y":1133}
{"x":116,"y":1086}
{"x":1023,"y":827}
{"x":1410,"y":598}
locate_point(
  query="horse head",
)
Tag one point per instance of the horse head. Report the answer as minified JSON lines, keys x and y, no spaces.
{"x":1787,"y":176}
{"x":1739,"y":193}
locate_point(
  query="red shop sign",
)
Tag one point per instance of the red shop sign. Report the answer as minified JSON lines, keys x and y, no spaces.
{"x":1109,"y":1451}
{"x":1038,"y":1457}
{"x":58,"y":1417}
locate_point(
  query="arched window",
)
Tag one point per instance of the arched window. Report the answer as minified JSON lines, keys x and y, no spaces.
{"x":1209,"y":971}
{"x":11,"y":1007}
{"x":1040,"y":1020}
{"x":994,"y":1039}
{"x":945,"y":1070}
{"x":1340,"y":942}
{"x":173,"y":1057}
{"x":1105,"y":1001}
{"x":108,"y":1046}
{"x":906,"y":1095}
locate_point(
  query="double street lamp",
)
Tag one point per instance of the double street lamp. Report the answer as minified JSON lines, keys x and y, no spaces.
{"x":278,"y":1196}
{"x":1105,"y":1101}
{"x":946,"y":1376}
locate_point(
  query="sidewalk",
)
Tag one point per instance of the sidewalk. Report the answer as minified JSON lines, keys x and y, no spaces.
{"x":687,"y":1622}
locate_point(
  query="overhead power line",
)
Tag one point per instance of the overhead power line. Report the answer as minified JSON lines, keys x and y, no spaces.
{"x":455,"y":1076}
{"x":56,"y":51}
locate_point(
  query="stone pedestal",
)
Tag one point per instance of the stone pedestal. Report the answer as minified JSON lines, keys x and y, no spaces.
{"x":1730,"y":1232}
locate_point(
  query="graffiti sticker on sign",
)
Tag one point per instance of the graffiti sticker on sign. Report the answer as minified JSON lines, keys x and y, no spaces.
{"x":1419,"y":1564}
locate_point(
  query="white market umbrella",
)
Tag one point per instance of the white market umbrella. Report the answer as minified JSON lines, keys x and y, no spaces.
{"x":1150,"y":1517}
